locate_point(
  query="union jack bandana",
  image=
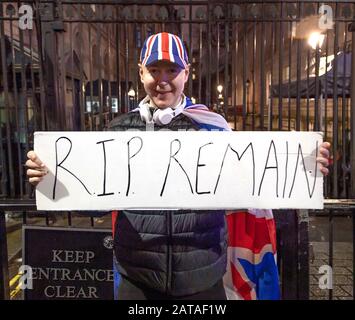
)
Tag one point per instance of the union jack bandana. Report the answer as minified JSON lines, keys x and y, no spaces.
{"x":164,"y":46}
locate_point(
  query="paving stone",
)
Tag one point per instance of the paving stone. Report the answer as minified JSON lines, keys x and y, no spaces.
{"x":320,"y":262}
{"x":348,"y":289}
{"x":343,"y":268}
{"x":318,"y":298}
{"x":350,"y":269}
{"x":318,"y":292}
{"x":320,"y":246}
{"x":343,"y":256}
{"x":343,"y":247}
{"x":339,"y":279}
{"x":313,"y":280}
{"x":339,"y":292}
{"x":341,"y":271}
{"x":321,"y":255}
{"x":313,"y":270}
{"x":343,"y":298}
{"x":343,"y":263}
{"x":338,"y":247}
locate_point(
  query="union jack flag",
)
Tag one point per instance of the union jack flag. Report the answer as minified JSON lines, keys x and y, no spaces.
{"x":164,"y":46}
{"x":251,"y":269}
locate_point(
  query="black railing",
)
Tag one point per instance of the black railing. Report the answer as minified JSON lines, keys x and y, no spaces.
{"x":299,"y":265}
{"x":269,"y":76}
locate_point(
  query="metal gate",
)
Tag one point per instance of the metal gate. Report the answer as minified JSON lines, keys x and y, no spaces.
{"x":264,"y":65}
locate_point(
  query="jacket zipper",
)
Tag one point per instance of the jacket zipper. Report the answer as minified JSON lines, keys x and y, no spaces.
{"x":169,"y":252}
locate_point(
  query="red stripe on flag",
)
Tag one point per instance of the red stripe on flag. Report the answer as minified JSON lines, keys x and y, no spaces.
{"x":242,"y":287}
{"x":114,"y":215}
{"x":165,"y":46}
{"x":272,"y":233}
{"x":247,"y":231}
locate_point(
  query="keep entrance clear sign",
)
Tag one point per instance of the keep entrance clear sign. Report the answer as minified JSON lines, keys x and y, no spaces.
{"x":179,"y":170}
{"x":68,"y":263}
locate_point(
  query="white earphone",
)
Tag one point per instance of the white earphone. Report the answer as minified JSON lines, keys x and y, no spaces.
{"x":160,"y":116}
{"x":163,"y":116}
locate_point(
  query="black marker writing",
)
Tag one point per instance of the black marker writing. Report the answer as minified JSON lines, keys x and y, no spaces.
{"x":104,"y":182}
{"x":310,"y":193}
{"x":272,"y":144}
{"x":239,"y":158}
{"x":286,"y":167}
{"x":197,"y":167}
{"x":172,"y":156}
{"x":129,"y":160}
{"x":57,"y":165}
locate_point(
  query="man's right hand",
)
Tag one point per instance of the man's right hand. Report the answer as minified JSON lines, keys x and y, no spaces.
{"x":36,"y":169}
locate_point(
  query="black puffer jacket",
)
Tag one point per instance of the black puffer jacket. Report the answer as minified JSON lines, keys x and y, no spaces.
{"x":179,"y":252}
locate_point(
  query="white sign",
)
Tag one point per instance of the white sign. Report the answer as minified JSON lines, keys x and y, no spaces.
{"x":179,"y":170}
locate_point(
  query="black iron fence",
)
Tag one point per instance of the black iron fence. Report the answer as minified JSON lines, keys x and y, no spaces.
{"x":264,"y":65}
{"x":314,"y":261}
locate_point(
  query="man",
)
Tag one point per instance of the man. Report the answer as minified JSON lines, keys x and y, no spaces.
{"x":168,"y":254}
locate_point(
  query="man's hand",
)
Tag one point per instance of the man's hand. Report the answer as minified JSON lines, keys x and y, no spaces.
{"x":323,"y":157}
{"x":36,"y":169}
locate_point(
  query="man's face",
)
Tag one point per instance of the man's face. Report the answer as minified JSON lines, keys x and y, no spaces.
{"x":164,"y":82}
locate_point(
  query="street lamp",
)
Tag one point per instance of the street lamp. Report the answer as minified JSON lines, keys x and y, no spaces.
{"x":131,"y":93}
{"x":220,"y":96}
{"x":316,"y":39}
